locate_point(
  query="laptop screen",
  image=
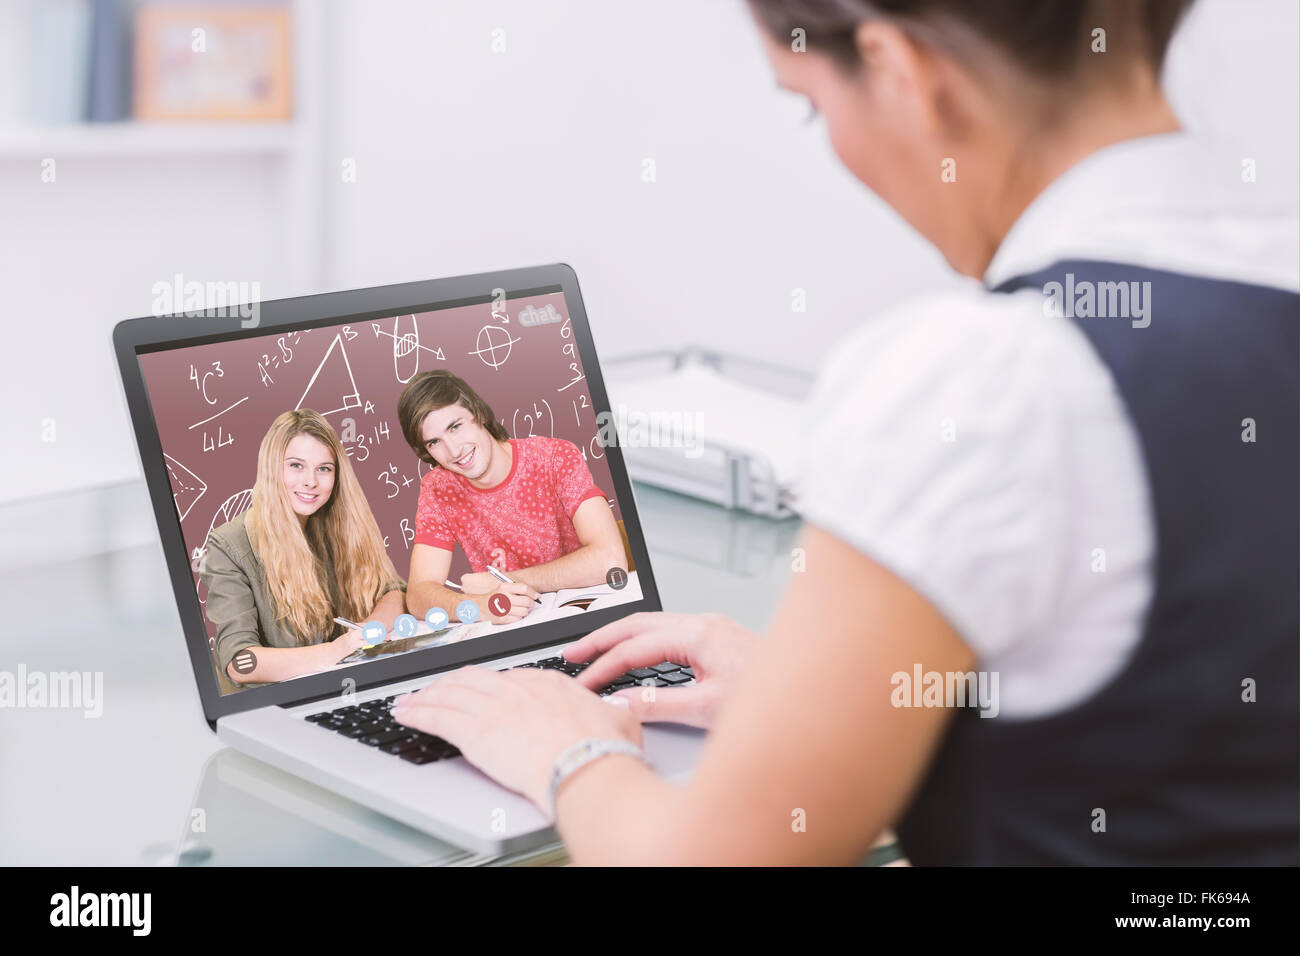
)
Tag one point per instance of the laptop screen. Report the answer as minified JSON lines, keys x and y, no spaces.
{"x":308,"y":467}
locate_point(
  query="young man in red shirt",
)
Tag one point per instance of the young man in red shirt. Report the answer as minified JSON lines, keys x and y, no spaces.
{"x":527,"y":506}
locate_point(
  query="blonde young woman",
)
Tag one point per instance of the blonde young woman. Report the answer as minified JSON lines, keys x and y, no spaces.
{"x":306,"y":551}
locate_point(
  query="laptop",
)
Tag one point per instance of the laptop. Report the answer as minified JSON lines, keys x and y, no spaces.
{"x":203,"y":388}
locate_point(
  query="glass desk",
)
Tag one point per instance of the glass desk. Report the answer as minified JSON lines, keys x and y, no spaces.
{"x":85,"y":589}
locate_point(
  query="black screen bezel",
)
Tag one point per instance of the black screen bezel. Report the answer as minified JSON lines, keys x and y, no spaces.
{"x":133,"y":337}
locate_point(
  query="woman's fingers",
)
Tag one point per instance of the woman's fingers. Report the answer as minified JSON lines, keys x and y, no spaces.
{"x":445,"y":722}
{"x":678,"y":705}
{"x":477,"y":679}
{"x":603,"y":638}
{"x":642,"y":650}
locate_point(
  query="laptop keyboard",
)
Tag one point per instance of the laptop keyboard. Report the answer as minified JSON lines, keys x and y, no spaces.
{"x":372,"y":723}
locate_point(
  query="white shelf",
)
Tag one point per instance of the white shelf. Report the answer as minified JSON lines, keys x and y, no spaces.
{"x":148,"y":140}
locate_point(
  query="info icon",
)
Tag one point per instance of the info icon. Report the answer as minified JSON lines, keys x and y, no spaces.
{"x":616,"y":578}
{"x":467,"y":611}
{"x":499,"y":604}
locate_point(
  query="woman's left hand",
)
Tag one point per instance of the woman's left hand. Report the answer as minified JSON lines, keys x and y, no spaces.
{"x":513,"y":724}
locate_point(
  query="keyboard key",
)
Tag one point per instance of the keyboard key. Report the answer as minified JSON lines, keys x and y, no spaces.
{"x":387,"y":737}
{"x":317,"y":718}
{"x":353,"y":732}
{"x":418,"y":755}
{"x":440,"y":746}
{"x":688,"y":672}
{"x":641,"y":673}
{"x":420,"y":736}
{"x":666,"y":667}
{"x":674,"y":678}
{"x":397,"y":746}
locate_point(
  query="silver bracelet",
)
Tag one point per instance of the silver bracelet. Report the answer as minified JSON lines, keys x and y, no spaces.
{"x":583,"y":753}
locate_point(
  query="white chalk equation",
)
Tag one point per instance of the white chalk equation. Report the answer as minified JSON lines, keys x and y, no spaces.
{"x":201,"y":381}
{"x":569,"y":350}
{"x":282,"y":356}
{"x":538,"y":415}
{"x":357,"y":443}
{"x":394,"y":481}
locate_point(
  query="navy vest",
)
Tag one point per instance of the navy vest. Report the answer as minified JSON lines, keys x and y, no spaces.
{"x":1186,"y":771}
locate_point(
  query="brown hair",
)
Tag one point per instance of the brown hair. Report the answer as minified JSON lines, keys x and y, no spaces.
{"x":1044,"y":38}
{"x":430,"y":391}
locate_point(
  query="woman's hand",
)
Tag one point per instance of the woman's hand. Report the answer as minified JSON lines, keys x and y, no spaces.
{"x":713,"y":645}
{"x":346,"y":643}
{"x":513,"y":724}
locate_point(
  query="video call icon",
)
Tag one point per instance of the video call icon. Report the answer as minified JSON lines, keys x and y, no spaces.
{"x":372,"y":632}
{"x":616,"y":578}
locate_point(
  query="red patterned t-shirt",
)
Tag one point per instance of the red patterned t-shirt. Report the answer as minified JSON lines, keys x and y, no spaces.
{"x":525,"y":520}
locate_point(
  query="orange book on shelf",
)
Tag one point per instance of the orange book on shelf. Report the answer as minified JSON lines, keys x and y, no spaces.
{"x":206,"y":62}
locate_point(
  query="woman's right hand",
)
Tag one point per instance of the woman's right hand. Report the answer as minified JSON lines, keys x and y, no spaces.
{"x":349,"y":641}
{"x":714,"y":646}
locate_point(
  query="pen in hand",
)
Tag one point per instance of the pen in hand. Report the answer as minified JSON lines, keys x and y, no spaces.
{"x":505,"y":580}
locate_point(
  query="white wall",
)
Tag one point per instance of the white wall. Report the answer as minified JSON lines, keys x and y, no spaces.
{"x":469,"y":160}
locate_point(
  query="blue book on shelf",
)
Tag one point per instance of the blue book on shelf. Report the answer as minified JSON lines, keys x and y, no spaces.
{"x":110,"y":63}
{"x":60,"y":61}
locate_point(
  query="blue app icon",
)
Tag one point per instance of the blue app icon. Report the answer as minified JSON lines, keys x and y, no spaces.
{"x":372,"y":632}
{"x":406,"y":625}
{"x":467,"y":611}
{"x":436,"y":618}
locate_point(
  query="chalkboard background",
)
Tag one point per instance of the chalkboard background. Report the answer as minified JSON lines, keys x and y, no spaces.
{"x":213,"y":404}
